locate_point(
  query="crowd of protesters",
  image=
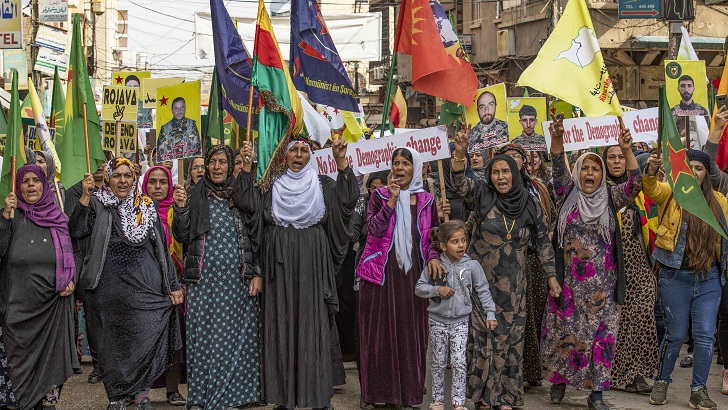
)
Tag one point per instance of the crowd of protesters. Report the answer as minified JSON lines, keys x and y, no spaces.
{"x":522,"y":267}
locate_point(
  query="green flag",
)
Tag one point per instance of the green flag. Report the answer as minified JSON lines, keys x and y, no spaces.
{"x":451,"y":112}
{"x":3,"y":124}
{"x":70,"y":145}
{"x":215,"y":117}
{"x":525,"y":92}
{"x":58,"y":105}
{"x":14,"y":146}
{"x":685,"y":188}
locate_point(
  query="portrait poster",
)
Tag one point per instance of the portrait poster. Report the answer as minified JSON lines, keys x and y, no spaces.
{"x":687,"y":93}
{"x":499,"y":90}
{"x":488,"y":118}
{"x":119,"y":78}
{"x":525,"y":115}
{"x":150,"y":86}
{"x":178,"y":121}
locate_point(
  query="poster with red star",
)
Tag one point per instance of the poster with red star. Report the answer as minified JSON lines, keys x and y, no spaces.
{"x":178,"y":121}
{"x":150,"y":86}
{"x":129,"y":78}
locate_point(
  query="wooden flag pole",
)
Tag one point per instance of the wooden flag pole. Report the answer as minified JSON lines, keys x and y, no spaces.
{"x":13,"y":182}
{"x":443,"y":190}
{"x":250,"y":115}
{"x":58,"y":193}
{"x":117,"y":137}
{"x":687,"y":132}
{"x":250,"y":119}
{"x":181,"y":171}
{"x":85,"y":139}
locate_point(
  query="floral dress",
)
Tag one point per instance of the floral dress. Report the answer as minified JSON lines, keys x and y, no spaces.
{"x":579,"y":333}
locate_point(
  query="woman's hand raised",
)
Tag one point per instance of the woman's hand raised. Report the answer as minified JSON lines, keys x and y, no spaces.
{"x":180,"y":196}
{"x":11,"y":203}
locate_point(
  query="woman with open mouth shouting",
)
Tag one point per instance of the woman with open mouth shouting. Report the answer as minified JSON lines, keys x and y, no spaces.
{"x":509,"y":222}
{"x":580,"y":327}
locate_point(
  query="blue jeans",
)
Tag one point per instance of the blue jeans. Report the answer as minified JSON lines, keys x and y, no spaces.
{"x":683,"y":294}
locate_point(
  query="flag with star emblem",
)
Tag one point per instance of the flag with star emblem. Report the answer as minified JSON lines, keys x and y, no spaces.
{"x":281,"y":112}
{"x":685,"y":188}
{"x":316,"y":65}
{"x":233,"y":66}
{"x":440,"y":66}
{"x":71,"y":146}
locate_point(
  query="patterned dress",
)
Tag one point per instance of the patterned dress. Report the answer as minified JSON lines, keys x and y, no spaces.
{"x":223,"y":325}
{"x":536,"y":293}
{"x":579,"y":333}
{"x":637,"y":342}
{"x":495,"y":359}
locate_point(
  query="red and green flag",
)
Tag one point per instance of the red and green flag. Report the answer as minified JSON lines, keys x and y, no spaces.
{"x":14,"y":146}
{"x":685,"y":187}
{"x":70,"y":143}
{"x":281,"y":113}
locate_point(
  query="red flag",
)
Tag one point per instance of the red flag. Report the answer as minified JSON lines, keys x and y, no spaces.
{"x":440,"y":67}
{"x":722,"y":157}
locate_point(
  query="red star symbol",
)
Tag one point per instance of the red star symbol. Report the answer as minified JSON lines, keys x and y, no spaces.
{"x":677,"y":162}
{"x":336,"y":111}
{"x":119,"y":79}
{"x":163,"y":100}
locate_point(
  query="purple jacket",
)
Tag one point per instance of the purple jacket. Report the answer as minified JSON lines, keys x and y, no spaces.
{"x":380,"y":224}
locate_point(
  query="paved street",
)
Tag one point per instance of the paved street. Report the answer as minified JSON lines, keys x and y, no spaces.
{"x":79,"y":395}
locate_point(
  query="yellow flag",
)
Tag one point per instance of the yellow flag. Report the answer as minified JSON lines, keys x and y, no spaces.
{"x":570,"y":65}
{"x":352,"y":130}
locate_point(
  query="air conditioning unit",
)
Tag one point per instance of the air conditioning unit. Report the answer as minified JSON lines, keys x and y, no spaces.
{"x":506,"y":43}
{"x":379,"y":74}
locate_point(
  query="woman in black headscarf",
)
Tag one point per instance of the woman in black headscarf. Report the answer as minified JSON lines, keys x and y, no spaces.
{"x":130,"y":284}
{"x":218,"y":229}
{"x":509,"y":221}
{"x":536,"y":289}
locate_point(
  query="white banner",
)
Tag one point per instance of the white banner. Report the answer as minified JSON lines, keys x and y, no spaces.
{"x":48,"y":59}
{"x":52,"y":38}
{"x":376,"y":154}
{"x":53,"y":11}
{"x":586,"y":132}
{"x":358,"y":37}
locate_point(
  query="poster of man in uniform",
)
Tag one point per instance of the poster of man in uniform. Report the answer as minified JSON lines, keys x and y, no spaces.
{"x":134,"y":79}
{"x":487,"y":117}
{"x":524,"y":122}
{"x":178,"y":119}
{"x":687,"y":93}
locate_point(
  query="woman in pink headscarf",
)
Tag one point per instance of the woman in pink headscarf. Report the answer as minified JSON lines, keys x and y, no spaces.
{"x":157,"y":184}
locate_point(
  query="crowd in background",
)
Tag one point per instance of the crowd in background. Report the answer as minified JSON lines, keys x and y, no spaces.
{"x":521,"y":267}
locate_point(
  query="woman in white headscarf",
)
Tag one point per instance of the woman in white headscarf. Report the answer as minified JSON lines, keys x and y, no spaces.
{"x":581,"y":325}
{"x":305,"y":239}
{"x":392,"y":320}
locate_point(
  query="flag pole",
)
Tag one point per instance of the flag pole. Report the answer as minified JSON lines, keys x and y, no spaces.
{"x":250,"y":114}
{"x":687,"y":132}
{"x":443,"y":190}
{"x":85,"y":139}
{"x":388,"y":96}
{"x":13,"y":182}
